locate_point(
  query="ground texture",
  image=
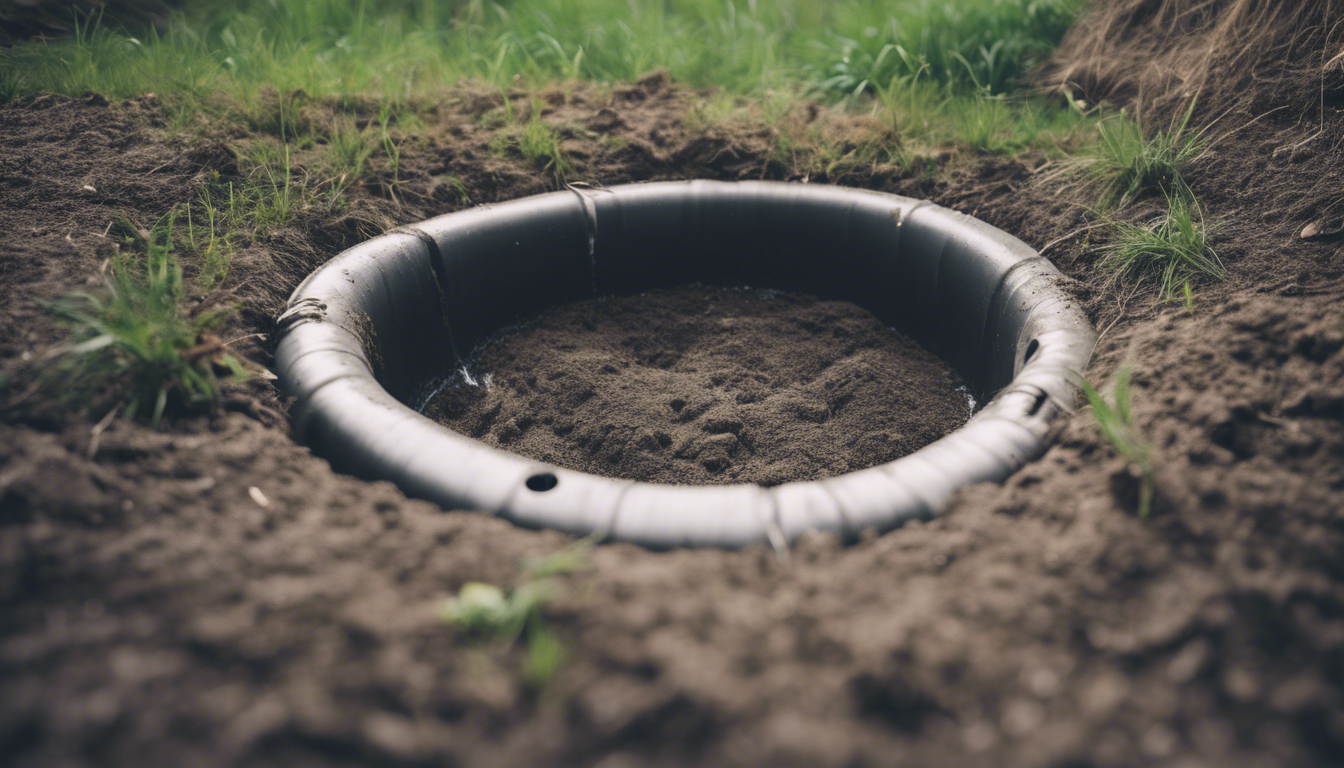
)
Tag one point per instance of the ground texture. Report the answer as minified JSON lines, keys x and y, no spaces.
{"x":156,"y":610}
{"x":705,"y":385}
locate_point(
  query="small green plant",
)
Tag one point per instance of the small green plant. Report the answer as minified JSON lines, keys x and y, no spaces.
{"x":459,"y":188}
{"x":349,"y":151}
{"x":537,"y":142}
{"x":269,"y":196}
{"x":1172,"y":250}
{"x":540,"y":145}
{"x":1129,"y":165}
{"x":134,"y":347}
{"x":486,"y":610}
{"x":1116,"y":423}
{"x":391,"y":149}
{"x":210,"y":235}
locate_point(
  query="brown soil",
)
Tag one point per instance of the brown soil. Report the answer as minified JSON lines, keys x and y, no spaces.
{"x":153,"y":610}
{"x":706,"y":385}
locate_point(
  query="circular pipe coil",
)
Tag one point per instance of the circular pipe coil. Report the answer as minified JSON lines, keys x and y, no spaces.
{"x":378,"y":326}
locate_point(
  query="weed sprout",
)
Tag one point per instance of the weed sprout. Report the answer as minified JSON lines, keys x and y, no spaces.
{"x":488,"y":611}
{"x":1116,"y":423}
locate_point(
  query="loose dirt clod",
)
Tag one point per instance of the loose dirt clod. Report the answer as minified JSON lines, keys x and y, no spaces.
{"x":706,"y":385}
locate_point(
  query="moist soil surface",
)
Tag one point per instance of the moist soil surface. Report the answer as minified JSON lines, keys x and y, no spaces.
{"x":703,"y":385}
{"x":211,"y":593}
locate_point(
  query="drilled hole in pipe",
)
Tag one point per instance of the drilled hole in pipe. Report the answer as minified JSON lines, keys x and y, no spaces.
{"x":542,"y":482}
{"x":1040,"y":401}
{"x":1031,"y":351}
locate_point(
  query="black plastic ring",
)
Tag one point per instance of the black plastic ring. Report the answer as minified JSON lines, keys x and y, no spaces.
{"x":377,"y":326}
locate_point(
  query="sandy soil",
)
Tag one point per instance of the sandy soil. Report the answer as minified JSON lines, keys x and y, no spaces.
{"x":154,"y":611}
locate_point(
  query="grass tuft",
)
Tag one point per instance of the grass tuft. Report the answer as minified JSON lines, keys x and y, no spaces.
{"x":349,"y":151}
{"x":1171,"y":251}
{"x":537,"y":142}
{"x":1116,"y":423}
{"x":134,"y":348}
{"x":270,"y":196}
{"x":210,"y":234}
{"x":1130,"y":165}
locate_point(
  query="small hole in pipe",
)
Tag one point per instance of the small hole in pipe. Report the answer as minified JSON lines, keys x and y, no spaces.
{"x":1031,"y":351}
{"x":1041,"y":397}
{"x":542,"y":482}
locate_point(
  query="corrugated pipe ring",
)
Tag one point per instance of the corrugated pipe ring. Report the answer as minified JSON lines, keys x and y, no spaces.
{"x":377,"y":327}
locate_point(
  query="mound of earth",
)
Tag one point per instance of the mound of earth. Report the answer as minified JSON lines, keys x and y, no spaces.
{"x":704,"y":385}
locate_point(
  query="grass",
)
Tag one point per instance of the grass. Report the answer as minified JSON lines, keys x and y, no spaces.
{"x":350,"y":151}
{"x":1130,"y":164}
{"x":1174,"y":249}
{"x":210,"y":234}
{"x":946,"y":65}
{"x":329,"y":48}
{"x":932,"y":115}
{"x":487,"y":611}
{"x":536,"y":141}
{"x":270,"y":196}
{"x":1116,"y":422}
{"x":1171,"y":251}
{"x":135,"y":348}
{"x":983,"y":46}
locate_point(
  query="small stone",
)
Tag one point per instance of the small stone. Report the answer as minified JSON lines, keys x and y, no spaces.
{"x":1105,"y":693}
{"x":1022,"y":716}
{"x":980,"y":736}
{"x":1043,"y":682}
{"x":1158,"y":741}
{"x":1241,"y":684}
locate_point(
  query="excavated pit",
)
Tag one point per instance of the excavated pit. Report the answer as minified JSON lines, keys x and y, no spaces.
{"x":368,"y":337}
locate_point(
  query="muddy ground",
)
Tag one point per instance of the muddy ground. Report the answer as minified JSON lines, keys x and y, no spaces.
{"x":154,"y":611}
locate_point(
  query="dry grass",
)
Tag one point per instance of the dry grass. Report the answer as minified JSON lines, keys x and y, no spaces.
{"x":1248,"y":56}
